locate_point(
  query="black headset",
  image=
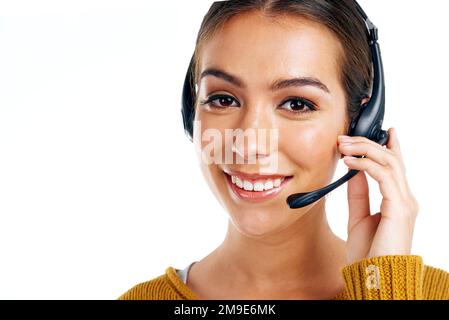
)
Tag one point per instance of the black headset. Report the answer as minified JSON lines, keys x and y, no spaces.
{"x":367,"y":124}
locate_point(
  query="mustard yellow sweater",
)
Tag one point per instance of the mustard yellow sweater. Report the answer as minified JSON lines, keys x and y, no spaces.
{"x":402,"y":277}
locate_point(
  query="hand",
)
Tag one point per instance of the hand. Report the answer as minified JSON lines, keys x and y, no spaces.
{"x":390,"y":231}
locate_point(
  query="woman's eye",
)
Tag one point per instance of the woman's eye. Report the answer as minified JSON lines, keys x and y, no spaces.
{"x":219,"y":101}
{"x":298,"y":105}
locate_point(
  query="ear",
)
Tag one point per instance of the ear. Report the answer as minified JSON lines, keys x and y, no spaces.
{"x":364,"y":100}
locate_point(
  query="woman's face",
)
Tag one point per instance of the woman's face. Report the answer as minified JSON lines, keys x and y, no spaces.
{"x":308,"y":115}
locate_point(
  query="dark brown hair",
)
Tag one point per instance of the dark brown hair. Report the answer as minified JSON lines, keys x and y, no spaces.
{"x":339,"y":16}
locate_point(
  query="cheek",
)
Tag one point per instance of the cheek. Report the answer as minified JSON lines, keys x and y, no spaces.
{"x":309,"y":146}
{"x":210,"y":143}
{"x":211,"y":127}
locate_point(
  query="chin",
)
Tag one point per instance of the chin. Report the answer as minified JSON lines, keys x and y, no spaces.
{"x":258,"y":222}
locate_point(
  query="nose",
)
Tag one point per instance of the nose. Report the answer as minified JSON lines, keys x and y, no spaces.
{"x":256,"y":134}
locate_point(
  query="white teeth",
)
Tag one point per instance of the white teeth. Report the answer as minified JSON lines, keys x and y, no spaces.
{"x":238,"y":182}
{"x":277,"y":182}
{"x":248,"y":186}
{"x":257,"y":186}
{"x":269,"y":185}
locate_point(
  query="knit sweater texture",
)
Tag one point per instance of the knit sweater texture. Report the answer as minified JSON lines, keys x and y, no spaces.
{"x":394,"y":277}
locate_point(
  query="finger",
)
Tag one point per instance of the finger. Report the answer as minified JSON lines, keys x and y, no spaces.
{"x":375,"y":152}
{"x":390,"y":158}
{"x":393,"y":142}
{"x":388,"y":184}
{"x":342,"y":139}
{"x":394,"y":146}
{"x":358,"y":199}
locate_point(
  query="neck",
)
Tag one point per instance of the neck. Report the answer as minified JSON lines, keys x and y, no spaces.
{"x":294,"y":259}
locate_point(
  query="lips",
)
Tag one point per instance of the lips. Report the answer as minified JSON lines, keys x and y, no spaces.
{"x":255,"y":187}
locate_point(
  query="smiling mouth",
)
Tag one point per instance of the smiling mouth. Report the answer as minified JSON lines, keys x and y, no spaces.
{"x":256,"y":187}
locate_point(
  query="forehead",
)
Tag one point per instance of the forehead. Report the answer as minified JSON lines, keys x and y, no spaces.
{"x":252,"y":44}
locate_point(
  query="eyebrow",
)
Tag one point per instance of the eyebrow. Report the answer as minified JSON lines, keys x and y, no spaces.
{"x":277,"y":85}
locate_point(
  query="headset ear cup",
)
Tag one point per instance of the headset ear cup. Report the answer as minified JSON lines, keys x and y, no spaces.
{"x":352,"y":126}
{"x":355,"y":121}
{"x":188,"y":100}
{"x":383,"y":137}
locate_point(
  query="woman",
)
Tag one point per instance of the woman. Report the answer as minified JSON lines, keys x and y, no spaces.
{"x":244,"y":48}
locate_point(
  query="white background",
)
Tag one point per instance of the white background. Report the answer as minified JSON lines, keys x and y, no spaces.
{"x":99,"y":187}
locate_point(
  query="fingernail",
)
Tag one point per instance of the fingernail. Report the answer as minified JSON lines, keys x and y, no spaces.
{"x":344,"y":138}
{"x":348,"y":158}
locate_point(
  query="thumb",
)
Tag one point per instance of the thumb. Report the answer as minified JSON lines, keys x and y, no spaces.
{"x":358,"y":199}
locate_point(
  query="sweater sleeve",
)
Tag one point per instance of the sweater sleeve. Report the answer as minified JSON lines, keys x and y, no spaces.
{"x":392,"y":277}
